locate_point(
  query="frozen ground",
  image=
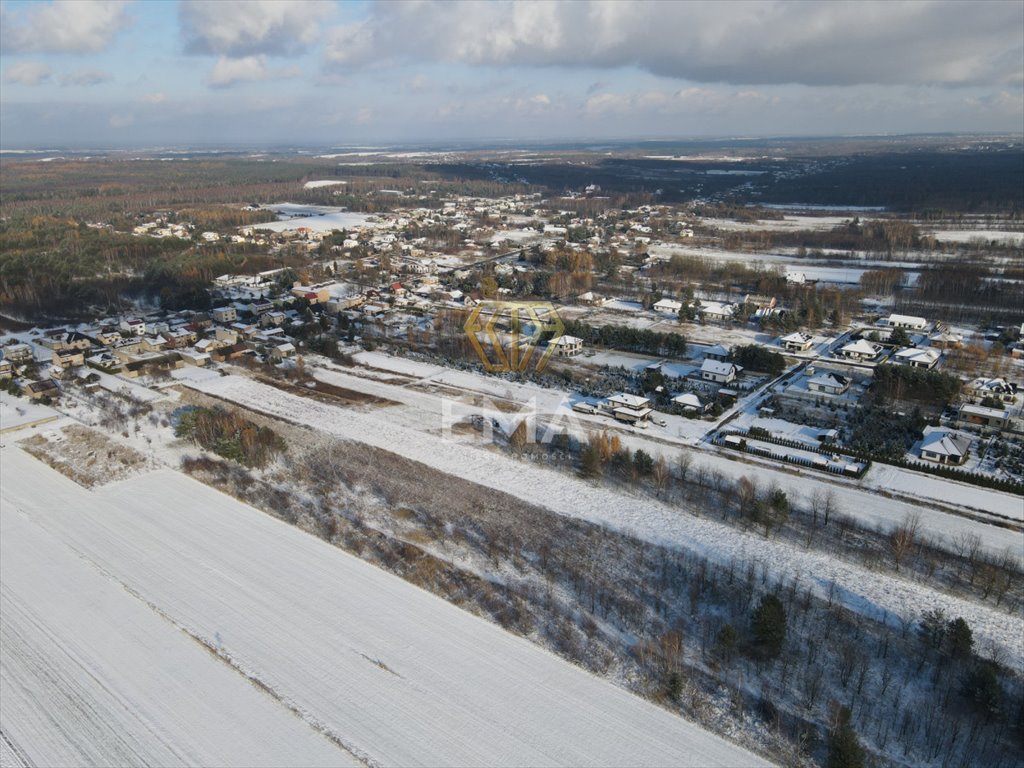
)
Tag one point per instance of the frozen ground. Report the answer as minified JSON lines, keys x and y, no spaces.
{"x":861,"y":499}
{"x":317,"y":218}
{"x":113,"y":597}
{"x":876,"y":594}
{"x":92,"y":675}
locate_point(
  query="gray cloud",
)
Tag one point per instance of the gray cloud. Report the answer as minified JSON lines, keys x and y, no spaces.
{"x":62,"y":26}
{"x":240,"y":28}
{"x":27,"y":73}
{"x":809,"y":43}
{"x":82,"y":78}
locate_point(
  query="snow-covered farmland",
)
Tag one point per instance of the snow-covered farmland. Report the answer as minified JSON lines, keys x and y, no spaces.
{"x":316,"y":218}
{"x":140,"y":610}
{"x":322,"y":183}
{"x":877,"y":594}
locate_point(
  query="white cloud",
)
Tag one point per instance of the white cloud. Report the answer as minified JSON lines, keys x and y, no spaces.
{"x":62,"y":26}
{"x":951,"y":42}
{"x":227,"y":72}
{"x":242,"y":28}
{"x":27,"y":73}
{"x":86,"y":77}
{"x":155,"y":98}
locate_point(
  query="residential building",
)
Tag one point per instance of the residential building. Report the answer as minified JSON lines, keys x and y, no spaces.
{"x":945,"y":447}
{"x":669,"y":306}
{"x":828,"y":383}
{"x":796,"y":342}
{"x":631,"y":409}
{"x":688,"y":401}
{"x":717,"y":352}
{"x":566,"y":346}
{"x":719,"y":372}
{"x":40,"y":389}
{"x":980,"y":416}
{"x":994,"y":389}
{"x":226,"y":314}
{"x":918,"y":357}
{"x":18,"y":353}
{"x":907,"y":322}
{"x":862,"y":349}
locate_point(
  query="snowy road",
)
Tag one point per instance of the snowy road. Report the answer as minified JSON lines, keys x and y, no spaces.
{"x":871,"y":592}
{"x":110,"y":596}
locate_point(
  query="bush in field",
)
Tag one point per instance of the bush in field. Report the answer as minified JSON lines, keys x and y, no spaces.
{"x":229,"y":435}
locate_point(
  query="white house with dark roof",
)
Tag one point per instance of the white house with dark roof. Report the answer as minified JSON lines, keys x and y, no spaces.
{"x":945,"y":447}
{"x":718,"y":371}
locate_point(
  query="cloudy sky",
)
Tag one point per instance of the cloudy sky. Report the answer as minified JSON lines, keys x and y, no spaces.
{"x":95,"y":73}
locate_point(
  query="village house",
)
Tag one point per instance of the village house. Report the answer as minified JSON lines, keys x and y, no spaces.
{"x":719,"y":372}
{"x":180,"y":337}
{"x":39,"y":389}
{"x":717,"y":352}
{"x":592,"y":299}
{"x":688,"y":401}
{"x":918,"y":357}
{"x":714,"y":311}
{"x":281,"y":352}
{"x":980,"y":416}
{"x":944,"y":447}
{"x":18,"y":353}
{"x":631,"y":409}
{"x":69,"y":358}
{"x":194,"y":357}
{"x":227,"y":336}
{"x":828,"y":383}
{"x":906,"y":322}
{"x":862,"y":349}
{"x":796,"y":342}
{"x":132,"y":326}
{"x":317,"y":293}
{"x":6,"y":369}
{"x":108,"y":337}
{"x":154,"y":343}
{"x":994,"y":389}
{"x":566,"y":346}
{"x":226,"y":314}
{"x":669,"y":306}
{"x":273,"y":318}
{"x":946,"y":340}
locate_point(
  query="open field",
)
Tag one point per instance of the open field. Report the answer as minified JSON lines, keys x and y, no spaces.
{"x":876,"y":594}
{"x":386,"y":673}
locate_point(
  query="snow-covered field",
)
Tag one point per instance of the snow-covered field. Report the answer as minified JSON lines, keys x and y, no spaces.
{"x":134,"y":614}
{"x":861,"y":499}
{"x":874,"y":593}
{"x":969,"y":235}
{"x":322,"y":183}
{"x":317,"y":218}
